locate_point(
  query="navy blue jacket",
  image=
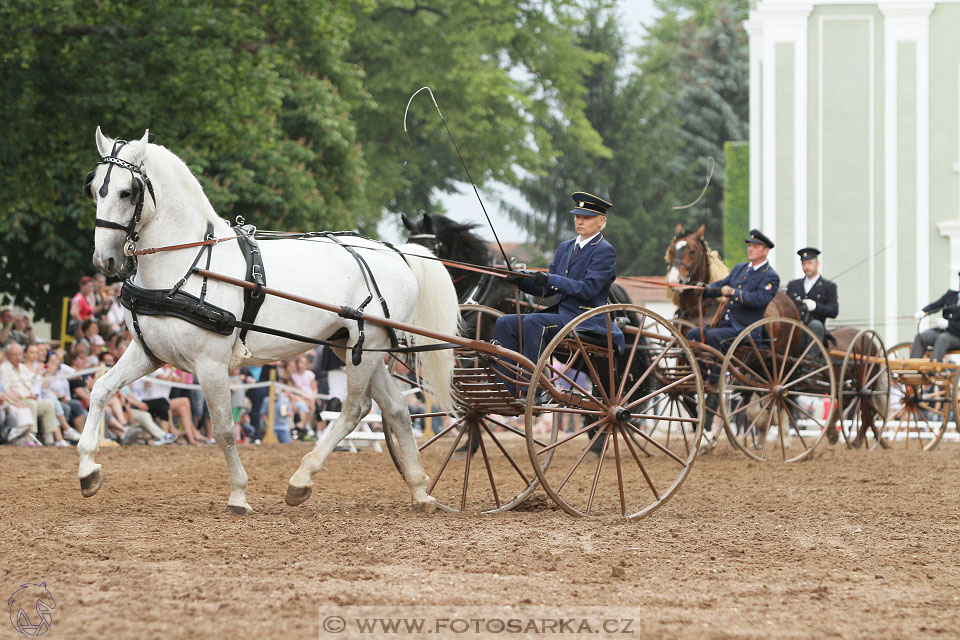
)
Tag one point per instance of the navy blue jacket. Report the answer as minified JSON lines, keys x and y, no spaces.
{"x":823,"y":292}
{"x":948,"y":302}
{"x":580,"y":282}
{"x":753,"y":291}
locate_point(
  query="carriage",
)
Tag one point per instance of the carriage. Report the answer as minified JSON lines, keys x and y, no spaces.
{"x":587,"y":389}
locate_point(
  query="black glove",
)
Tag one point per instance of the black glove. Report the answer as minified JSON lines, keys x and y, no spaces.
{"x":541,"y":278}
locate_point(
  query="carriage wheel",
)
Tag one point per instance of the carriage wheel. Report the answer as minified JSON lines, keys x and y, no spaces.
{"x":475,"y":461}
{"x":776,"y":402}
{"x":920,"y":405}
{"x":598,"y":466}
{"x":864,"y":400}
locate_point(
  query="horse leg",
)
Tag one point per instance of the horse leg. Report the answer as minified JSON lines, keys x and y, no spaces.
{"x":133,"y":364}
{"x":354,"y":408}
{"x":216,"y":389}
{"x":396,"y":415}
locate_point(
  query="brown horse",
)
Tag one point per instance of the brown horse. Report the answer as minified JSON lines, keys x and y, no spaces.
{"x":690,"y":260}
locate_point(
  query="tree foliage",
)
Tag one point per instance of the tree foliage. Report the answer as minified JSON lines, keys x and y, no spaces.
{"x":289,"y":113}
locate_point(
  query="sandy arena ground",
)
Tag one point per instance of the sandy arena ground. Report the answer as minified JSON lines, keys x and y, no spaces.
{"x":847,"y":545}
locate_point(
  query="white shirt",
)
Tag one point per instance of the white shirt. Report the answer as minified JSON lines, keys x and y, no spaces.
{"x":809,"y":282}
{"x":759,"y":265}
{"x":583,"y":243}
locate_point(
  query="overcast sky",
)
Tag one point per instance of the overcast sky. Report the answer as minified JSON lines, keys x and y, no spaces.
{"x":465,"y":206}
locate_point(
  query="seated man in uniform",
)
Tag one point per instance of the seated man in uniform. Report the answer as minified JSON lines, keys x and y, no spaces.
{"x":945,"y":332}
{"x":580,"y":276}
{"x":815,"y":296}
{"x":750,"y":287}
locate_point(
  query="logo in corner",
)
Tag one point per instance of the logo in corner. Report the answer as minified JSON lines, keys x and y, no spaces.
{"x":31,"y":609}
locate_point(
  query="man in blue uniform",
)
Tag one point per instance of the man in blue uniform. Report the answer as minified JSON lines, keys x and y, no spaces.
{"x":580,"y":276}
{"x":814,"y":295}
{"x":750,"y":287}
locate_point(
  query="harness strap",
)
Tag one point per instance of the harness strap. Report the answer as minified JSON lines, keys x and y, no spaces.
{"x":252,"y":300}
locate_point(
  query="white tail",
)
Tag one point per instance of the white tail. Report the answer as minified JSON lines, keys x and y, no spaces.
{"x":437,"y":309}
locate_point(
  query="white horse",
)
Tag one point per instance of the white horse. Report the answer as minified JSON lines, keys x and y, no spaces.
{"x":418,"y":290}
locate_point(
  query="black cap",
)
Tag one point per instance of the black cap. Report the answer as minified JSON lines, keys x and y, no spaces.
{"x":589,"y":204}
{"x":808,"y":253}
{"x":758,"y":238}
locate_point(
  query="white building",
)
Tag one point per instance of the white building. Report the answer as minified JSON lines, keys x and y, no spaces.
{"x":855,"y":148}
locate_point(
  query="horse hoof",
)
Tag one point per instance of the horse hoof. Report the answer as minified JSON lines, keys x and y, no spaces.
{"x":296,"y":495}
{"x":425,"y":507}
{"x":237,"y":510}
{"x":91,"y":484}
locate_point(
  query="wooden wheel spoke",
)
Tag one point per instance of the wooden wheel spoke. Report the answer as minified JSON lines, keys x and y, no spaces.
{"x":759,"y":355}
{"x":656,"y":444}
{"x":627,"y":440}
{"x":786,"y":352}
{"x":596,"y":477}
{"x":796,"y":427}
{"x":650,"y":368}
{"x":804,"y":411}
{"x":511,"y":428}
{"x":744,"y":407}
{"x":466,"y":471}
{"x":486,"y":462}
{"x":800,"y":359}
{"x":446,"y":461}
{"x":507,"y":455}
{"x":626,"y":368}
{"x":616,"y":458}
{"x":573,"y":384}
{"x":579,"y":460}
{"x":807,"y":376}
{"x":573,"y":435}
{"x":673,"y":384}
{"x":594,"y":376}
{"x":443,"y":432}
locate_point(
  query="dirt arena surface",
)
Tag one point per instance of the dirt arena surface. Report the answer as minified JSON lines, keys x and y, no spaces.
{"x":847,"y":545}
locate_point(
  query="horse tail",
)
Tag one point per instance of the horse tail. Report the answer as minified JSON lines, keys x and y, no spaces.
{"x":437,"y":309}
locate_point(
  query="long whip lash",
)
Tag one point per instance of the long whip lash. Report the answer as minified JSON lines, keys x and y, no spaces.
{"x":459,"y":155}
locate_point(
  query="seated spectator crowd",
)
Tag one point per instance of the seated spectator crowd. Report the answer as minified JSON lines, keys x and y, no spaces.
{"x":45,"y":387}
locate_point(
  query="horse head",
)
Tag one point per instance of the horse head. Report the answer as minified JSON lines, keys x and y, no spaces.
{"x":686,"y":257}
{"x":422,"y":232}
{"x":119,"y":185}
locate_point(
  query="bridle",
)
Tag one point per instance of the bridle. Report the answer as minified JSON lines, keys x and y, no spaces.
{"x":428,"y":240}
{"x":136,"y":195}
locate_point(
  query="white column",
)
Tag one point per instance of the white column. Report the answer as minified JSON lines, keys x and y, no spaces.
{"x":951,"y":230}
{"x":906,"y":21}
{"x":779,"y":22}
{"x":755,"y":33}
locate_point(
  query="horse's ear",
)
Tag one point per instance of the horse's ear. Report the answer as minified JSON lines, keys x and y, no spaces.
{"x":427,"y":223}
{"x":701,"y":230}
{"x":104,"y":144}
{"x":679,"y":230}
{"x":406,"y":222}
{"x":140,"y":146}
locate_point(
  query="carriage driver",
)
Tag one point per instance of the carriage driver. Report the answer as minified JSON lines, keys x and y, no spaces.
{"x":945,"y":332}
{"x":814,"y":295}
{"x":750,"y":287}
{"x":580,"y":276}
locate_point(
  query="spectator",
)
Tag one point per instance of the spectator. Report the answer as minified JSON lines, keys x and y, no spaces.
{"x":258,"y":396}
{"x":115,"y":316}
{"x":238,"y":401}
{"x":154,"y":393}
{"x":18,"y":379}
{"x":15,"y":421}
{"x":6,"y":327}
{"x":282,"y":412}
{"x":73,"y":409}
{"x":305,"y":380}
{"x":82,"y":304}
{"x":180,"y":406}
{"x":90,"y":336}
{"x":137,"y":414}
{"x":21,"y":330}
{"x":79,"y":385}
{"x":101,"y":295}
{"x":42,"y":391}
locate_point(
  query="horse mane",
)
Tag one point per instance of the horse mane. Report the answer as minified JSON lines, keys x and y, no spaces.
{"x":160,"y":161}
{"x":459,"y":240}
{"x":718,"y":270}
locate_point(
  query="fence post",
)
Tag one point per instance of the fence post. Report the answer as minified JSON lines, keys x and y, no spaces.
{"x":270,"y":437}
{"x":65,"y":338}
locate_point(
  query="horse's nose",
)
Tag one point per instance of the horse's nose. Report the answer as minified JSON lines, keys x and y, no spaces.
{"x":110,"y":267}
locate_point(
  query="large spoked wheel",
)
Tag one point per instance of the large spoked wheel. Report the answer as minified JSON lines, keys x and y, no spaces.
{"x":777,"y":394}
{"x":606,"y":460}
{"x":921,"y":401}
{"x":864,"y":400}
{"x":475,"y":460}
